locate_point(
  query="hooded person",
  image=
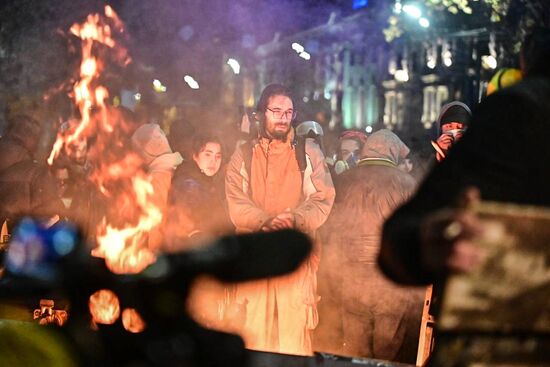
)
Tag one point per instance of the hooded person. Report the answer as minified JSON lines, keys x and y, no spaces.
{"x":150,"y":142}
{"x":384,"y":145}
{"x":379,"y":319}
{"x":504,"y":163}
{"x":452,"y":122}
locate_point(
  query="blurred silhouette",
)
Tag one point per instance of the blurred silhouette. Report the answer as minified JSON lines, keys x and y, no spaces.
{"x":158,"y":294}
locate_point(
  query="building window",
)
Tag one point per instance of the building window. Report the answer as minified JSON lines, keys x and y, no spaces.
{"x":434,"y":98}
{"x":393,"y":109}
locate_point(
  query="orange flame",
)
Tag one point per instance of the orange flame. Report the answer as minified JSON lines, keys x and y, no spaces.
{"x":122,"y":248}
{"x":104,"y":307}
{"x":93,"y":30}
{"x":122,"y":235}
{"x":132,"y":321}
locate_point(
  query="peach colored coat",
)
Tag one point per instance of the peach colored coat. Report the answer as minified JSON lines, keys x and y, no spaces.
{"x":281,"y":311}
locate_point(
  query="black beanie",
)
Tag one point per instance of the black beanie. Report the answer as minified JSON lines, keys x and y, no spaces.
{"x":454,"y":112}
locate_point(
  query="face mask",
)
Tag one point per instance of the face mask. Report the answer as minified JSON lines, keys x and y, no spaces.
{"x":342,"y":166}
{"x":454,"y":132}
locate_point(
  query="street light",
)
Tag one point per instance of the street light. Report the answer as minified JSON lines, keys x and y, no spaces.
{"x":235,"y":66}
{"x":447,"y":58}
{"x":412,"y":10}
{"x":398,"y":7}
{"x":298,"y":47}
{"x":191,"y":82}
{"x":305,"y":55}
{"x":158,"y":86}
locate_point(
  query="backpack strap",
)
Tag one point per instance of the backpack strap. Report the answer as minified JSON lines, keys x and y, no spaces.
{"x":300,"y":152}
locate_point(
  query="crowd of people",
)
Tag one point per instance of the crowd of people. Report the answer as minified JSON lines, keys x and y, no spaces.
{"x":280,"y":178}
{"x":339,"y":300}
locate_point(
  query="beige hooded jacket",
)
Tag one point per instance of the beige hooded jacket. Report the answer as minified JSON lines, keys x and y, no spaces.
{"x":280,"y":312}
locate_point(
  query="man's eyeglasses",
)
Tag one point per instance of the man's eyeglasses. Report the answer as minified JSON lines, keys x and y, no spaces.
{"x":278,"y":114}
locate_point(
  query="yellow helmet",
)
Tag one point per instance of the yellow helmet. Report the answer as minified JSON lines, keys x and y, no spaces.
{"x":504,"y":78}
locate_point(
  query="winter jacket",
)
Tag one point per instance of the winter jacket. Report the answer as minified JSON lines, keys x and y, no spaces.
{"x":315,"y":198}
{"x":378,"y":318}
{"x":28,"y":188}
{"x":280,"y":312}
{"x":196,"y":206}
{"x":12,"y":151}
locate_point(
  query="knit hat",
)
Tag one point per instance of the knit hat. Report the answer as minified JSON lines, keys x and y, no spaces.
{"x":454,"y":112}
{"x":150,"y":142}
{"x":354,"y":135}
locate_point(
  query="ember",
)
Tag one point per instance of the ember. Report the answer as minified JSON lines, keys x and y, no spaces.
{"x":104,"y":307}
{"x":132,"y":321}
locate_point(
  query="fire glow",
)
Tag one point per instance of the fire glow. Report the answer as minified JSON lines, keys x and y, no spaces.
{"x":104,"y":307}
{"x":132,"y":321}
{"x":94,"y":31}
{"x":117,"y":172}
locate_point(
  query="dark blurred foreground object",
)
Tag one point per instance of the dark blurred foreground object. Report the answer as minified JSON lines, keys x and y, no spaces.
{"x":266,"y":359}
{"x":504,"y":154}
{"x":42,"y":262}
{"x":499,"y":313}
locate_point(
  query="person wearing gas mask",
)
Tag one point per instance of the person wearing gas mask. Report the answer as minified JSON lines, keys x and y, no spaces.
{"x":349,"y":148}
{"x":452,"y":122}
{"x":272,"y":184}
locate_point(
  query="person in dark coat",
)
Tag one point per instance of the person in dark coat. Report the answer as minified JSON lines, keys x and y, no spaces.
{"x":196,"y":201}
{"x":20,"y":141}
{"x":504,"y":155}
{"x":28,"y":188}
{"x":196,"y":214}
{"x":379,"y":319}
{"x":26,"y":185}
